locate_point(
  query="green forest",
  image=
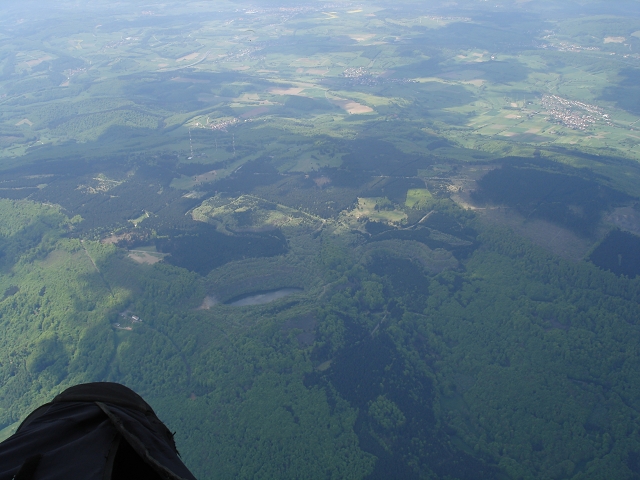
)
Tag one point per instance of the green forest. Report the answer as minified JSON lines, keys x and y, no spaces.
{"x":364,"y":241}
{"x":516,"y":364}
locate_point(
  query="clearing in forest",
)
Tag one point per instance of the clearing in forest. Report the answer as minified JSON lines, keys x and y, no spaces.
{"x":191,"y":56}
{"x":378,"y":209}
{"x":351,"y":107}
{"x":144,"y":257}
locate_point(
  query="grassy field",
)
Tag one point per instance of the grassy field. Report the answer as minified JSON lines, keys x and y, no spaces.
{"x":376,"y":210}
{"x":249,"y":213}
{"x":218,"y":72}
{"x":418,"y":198}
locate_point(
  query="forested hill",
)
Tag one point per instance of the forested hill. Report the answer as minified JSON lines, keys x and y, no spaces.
{"x":330,"y":240}
{"x":516,"y":363}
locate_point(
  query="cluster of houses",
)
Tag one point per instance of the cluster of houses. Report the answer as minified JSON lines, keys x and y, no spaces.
{"x":132,"y":318}
{"x":361,"y":76}
{"x":567,"y":112}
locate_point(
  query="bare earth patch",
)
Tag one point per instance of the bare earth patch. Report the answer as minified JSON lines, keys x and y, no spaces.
{"x":474,"y":57}
{"x":147,"y":258}
{"x":208,"y":302}
{"x":126,"y":237}
{"x":191,"y":56}
{"x":24,"y":121}
{"x":362,"y":37}
{"x":626,"y":218}
{"x":286,"y":91}
{"x":113,"y":239}
{"x":614,"y":39}
{"x":317,"y":71}
{"x":321,"y":181}
{"x":38,"y":61}
{"x":351,"y":107}
{"x":205,"y":177}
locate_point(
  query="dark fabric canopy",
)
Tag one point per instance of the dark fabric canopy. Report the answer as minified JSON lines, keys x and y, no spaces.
{"x":98,"y":431}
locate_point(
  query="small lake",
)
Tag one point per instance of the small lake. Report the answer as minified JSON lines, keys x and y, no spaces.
{"x":262,"y":297}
